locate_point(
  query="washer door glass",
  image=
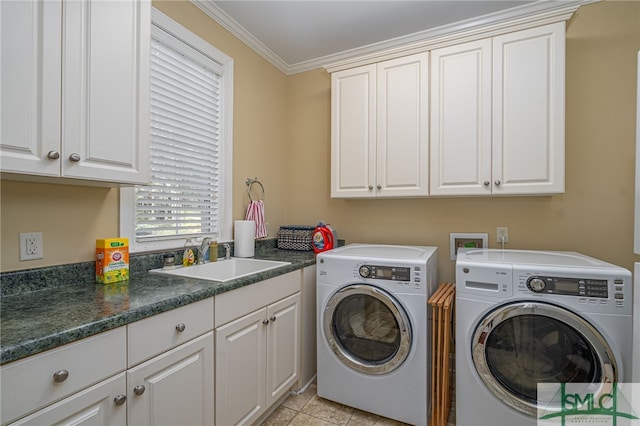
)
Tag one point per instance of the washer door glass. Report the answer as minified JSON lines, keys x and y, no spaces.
{"x":519,"y":345}
{"x":367,"y":329}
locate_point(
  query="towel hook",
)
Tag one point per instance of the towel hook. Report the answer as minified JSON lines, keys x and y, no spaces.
{"x":250,"y":182}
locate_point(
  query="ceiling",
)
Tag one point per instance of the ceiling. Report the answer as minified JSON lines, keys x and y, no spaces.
{"x":297,"y":35}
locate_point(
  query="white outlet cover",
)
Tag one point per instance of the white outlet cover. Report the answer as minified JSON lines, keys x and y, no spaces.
{"x":31,"y":246}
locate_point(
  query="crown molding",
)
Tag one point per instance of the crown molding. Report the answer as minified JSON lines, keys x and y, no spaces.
{"x":526,"y":16}
{"x":241,"y":33}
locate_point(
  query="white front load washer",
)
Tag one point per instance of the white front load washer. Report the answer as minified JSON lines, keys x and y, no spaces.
{"x":373,"y":328}
{"x":529,"y":317}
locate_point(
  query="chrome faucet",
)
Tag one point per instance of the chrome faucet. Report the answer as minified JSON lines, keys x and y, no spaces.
{"x":202,"y":249}
{"x":227,"y":251}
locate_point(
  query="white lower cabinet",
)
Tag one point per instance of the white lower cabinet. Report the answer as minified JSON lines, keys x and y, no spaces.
{"x":161,"y":370}
{"x":283,"y":347}
{"x":55,"y":382}
{"x":103,"y":404}
{"x":241,"y":370}
{"x":257,"y":354}
{"x":174,"y":388}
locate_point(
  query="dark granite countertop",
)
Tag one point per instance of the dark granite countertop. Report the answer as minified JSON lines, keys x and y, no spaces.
{"x":34,"y":321}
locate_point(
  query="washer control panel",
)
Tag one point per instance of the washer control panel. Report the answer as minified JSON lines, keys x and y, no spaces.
{"x":392,"y":273}
{"x":568,"y":286}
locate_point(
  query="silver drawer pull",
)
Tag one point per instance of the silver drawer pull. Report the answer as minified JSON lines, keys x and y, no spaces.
{"x":60,"y":376}
{"x":120,"y":399}
{"x":265,"y":322}
{"x":74,"y":157}
{"x":180,"y":327}
{"x":53,"y":155}
{"x":497,"y":183}
{"x":486,"y":183}
{"x":139,"y":390}
{"x":273,"y":318}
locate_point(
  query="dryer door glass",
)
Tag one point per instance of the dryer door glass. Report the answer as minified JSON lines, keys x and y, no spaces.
{"x":367,"y":329}
{"x":520,"y":345}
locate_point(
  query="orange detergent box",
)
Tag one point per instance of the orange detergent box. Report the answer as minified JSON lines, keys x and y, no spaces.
{"x":112,"y":260}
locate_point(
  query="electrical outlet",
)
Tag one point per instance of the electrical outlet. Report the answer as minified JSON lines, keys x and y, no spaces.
{"x":502,"y":234}
{"x":31,"y":245}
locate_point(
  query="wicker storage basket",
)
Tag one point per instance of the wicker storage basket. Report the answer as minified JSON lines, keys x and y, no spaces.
{"x":295,"y":237}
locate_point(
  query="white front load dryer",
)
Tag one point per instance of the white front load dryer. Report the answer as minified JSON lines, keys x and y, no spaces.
{"x":372,"y":335}
{"x":529,"y":317}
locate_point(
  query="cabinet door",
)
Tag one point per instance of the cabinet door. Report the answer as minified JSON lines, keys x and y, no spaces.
{"x":30,"y":39}
{"x":240,"y":370}
{"x":105,"y":107}
{"x":93,"y":406}
{"x":402,"y":167}
{"x":353,"y":132}
{"x":528,"y":111}
{"x":461,"y":119}
{"x":283,"y":346}
{"x":177,"y":387}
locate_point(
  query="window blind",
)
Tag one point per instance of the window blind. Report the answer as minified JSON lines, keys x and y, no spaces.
{"x":183,"y":196}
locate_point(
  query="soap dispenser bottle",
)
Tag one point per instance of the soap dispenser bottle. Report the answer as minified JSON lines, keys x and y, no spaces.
{"x":188,"y":258}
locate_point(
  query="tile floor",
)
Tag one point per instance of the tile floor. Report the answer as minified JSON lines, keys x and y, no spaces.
{"x":307,"y":409}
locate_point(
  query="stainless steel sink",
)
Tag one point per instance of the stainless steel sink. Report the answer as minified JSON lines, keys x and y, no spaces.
{"x":223,"y":270}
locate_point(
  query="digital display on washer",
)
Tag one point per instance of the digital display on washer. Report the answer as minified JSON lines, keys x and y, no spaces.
{"x":394,"y":273}
{"x":569,"y":286}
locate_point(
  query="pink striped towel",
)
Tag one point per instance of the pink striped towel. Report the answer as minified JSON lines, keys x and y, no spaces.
{"x":255,"y":211}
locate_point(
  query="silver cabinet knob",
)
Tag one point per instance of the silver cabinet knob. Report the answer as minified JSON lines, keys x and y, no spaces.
{"x":370,"y":187}
{"x":497,"y":183}
{"x":53,"y":155}
{"x":139,"y":390}
{"x":180,"y":327}
{"x":60,"y":376}
{"x":74,"y":157}
{"x":379,"y":187}
{"x":120,"y":399}
{"x":486,"y":183}
{"x":273,"y":318}
{"x":265,"y":322}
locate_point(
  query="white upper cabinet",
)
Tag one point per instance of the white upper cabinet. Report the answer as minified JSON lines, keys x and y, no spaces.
{"x":528,"y":111}
{"x":379,"y":135}
{"x":461,"y":119}
{"x":497,"y":123}
{"x":30,"y":77}
{"x":75,"y":90}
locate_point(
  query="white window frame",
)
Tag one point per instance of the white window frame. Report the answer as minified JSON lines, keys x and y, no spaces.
{"x":161,"y":22}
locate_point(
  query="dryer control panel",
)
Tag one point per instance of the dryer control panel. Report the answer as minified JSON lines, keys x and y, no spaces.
{"x":393,"y":273}
{"x":568,"y":286}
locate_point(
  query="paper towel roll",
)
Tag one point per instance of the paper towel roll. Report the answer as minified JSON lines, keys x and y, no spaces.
{"x":244,"y":238}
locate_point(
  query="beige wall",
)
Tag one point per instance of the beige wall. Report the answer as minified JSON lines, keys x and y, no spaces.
{"x":282,"y":135}
{"x":594,"y":216}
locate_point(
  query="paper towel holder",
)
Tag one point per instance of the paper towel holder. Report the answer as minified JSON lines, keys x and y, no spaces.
{"x":250,"y":182}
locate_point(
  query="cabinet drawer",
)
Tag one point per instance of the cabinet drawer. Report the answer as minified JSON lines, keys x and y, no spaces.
{"x":154,"y":335}
{"x":29,"y":384}
{"x":94,"y":406}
